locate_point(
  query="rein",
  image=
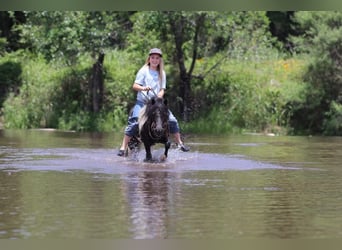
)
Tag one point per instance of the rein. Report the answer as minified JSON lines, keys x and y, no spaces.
{"x":146,"y":96}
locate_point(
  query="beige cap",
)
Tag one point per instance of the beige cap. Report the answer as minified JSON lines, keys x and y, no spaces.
{"x":156,"y":51}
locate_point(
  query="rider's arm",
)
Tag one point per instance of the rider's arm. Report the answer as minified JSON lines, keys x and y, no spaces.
{"x":161,"y":93}
{"x":138,"y":87}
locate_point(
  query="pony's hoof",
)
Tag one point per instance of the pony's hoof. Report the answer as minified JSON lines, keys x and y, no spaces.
{"x":163,"y":158}
{"x":148,"y":160}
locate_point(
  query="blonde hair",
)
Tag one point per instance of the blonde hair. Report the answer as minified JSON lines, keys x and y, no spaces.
{"x":160,"y":67}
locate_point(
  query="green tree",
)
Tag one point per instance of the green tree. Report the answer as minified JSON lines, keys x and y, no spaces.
{"x":66,"y":35}
{"x":8,"y":19}
{"x":190,"y":36}
{"x":10,"y":79}
{"x":322,"y":40}
{"x":282,"y":27}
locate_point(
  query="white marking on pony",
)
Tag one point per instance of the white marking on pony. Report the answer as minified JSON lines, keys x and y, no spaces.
{"x":142,"y":117}
{"x":158,"y":123}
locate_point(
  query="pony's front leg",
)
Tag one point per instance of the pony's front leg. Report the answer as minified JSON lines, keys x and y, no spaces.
{"x":167,"y":147}
{"x":148,"y":152}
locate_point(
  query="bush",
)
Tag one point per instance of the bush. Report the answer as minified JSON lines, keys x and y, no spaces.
{"x":332,"y":124}
{"x":30,"y":107}
{"x":57,"y":96}
{"x":10,"y":77}
{"x":3,"y":44}
{"x":318,"y":111}
{"x":251,"y":95}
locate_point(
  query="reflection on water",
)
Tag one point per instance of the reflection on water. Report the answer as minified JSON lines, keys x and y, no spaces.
{"x":57,"y":184}
{"x":147,"y":195}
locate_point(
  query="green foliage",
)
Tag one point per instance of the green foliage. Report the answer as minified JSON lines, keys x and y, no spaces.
{"x":187,"y":37}
{"x":10,"y":77}
{"x":212,"y":123}
{"x":66,"y":35}
{"x":119,"y":77}
{"x":3,"y":43}
{"x":282,"y":26}
{"x":239,"y":79}
{"x":227,"y":87}
{"x":322,"y":40}
{"x":332,"y":124}
{"x":252,"y":95}
{"x":32,"y":103}
{"x":57,"y":96}
{"x":143,"y":36}
{"x":247,"y":35}
{"x":240,"y":34}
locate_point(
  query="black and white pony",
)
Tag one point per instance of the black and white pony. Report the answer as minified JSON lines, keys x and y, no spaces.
{"x":154,"y":126}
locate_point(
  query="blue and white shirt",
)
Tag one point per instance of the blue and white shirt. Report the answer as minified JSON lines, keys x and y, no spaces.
{"x":147,"y":77}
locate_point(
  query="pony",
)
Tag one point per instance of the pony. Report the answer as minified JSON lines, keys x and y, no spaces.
{"x":153,"y":124}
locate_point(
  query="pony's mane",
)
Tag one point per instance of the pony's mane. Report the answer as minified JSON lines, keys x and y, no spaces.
{"x":142,"y":117}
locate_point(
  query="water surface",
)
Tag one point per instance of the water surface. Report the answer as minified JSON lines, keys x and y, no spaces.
{"x":56,"y":184}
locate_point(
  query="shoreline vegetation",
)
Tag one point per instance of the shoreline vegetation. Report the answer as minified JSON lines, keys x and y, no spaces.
{"x":227,"y":72}
{"x":240,"y":97}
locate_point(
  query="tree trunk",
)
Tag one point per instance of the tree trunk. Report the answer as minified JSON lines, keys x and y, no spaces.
{"x":185,"y":78}
{"x":177,"y":26}
{"x":185,"y":92}
{"x":96,"y":85}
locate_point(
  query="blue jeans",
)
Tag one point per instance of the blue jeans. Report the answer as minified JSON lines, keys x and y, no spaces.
{"x":132,"y":127}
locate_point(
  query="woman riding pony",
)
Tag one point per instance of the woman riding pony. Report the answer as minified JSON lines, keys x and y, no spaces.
{"x":149,"y":82}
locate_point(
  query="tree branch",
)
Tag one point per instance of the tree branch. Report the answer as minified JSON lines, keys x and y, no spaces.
{"x":199,"y":24}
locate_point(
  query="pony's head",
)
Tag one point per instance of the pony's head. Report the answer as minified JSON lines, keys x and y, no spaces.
{"x":156,"y":117}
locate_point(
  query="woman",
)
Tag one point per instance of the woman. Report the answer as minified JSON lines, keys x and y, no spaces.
{"x":150,"y":81}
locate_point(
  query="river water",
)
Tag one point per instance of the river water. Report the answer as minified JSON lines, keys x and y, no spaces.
{"x":65,"y":185}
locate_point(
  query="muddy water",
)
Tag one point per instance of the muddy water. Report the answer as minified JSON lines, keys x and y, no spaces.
{"x":64,"y":185}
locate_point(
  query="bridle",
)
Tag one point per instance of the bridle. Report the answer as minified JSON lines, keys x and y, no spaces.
{"x":156,"y":136}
